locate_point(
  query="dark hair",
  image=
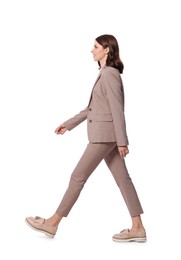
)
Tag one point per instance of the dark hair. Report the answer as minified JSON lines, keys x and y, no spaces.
{"x":113,"y":59}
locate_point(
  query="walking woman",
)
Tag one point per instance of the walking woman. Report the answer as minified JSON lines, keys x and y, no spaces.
{"x":108,"y":141}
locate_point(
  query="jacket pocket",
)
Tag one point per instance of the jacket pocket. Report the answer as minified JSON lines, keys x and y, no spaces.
{"x":103,"y":118}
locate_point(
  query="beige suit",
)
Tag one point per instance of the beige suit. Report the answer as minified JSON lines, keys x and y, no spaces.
{"x":105,"y":111}
{"x":106,"y":129}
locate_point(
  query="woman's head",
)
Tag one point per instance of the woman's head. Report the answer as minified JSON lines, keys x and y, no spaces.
{"x":107,"y":48}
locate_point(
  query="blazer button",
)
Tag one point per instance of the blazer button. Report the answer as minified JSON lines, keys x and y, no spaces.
{"x":90,"y":121}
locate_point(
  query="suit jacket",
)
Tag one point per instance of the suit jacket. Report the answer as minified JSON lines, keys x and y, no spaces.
{"x":105,"y":110}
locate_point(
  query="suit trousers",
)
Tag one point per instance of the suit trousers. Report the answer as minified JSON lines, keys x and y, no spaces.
{"x":92,"y":156}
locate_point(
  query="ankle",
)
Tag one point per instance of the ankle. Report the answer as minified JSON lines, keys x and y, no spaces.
{"x":136,"y":228}
{"x":54,"y":220}
{"x":137,"y":223}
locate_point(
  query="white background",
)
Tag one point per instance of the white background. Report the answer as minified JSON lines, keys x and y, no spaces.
{"x":46,"y":76}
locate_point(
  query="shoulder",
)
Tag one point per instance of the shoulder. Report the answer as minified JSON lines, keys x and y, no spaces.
{"x":108,"y":71}
{"x":110,"y":74}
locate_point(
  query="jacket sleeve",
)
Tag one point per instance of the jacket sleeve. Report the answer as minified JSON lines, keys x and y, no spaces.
{"x":115,"y":94}
{"x":76,"y":120}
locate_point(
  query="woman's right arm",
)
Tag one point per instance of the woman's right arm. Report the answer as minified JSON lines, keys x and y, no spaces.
{"x":72,"y":122}
{"x":60,"y":130}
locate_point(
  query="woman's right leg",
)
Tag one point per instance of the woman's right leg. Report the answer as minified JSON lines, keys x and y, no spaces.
{"x":120,"y":173}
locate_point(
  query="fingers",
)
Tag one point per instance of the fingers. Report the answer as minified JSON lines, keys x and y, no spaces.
{"x":123,"y":155}
{"x":123,"y":151}
{"x":57,"y":130}
{"x":60,"y":130}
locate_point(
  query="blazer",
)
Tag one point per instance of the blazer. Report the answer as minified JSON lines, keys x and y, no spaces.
{"x":105,"y":110}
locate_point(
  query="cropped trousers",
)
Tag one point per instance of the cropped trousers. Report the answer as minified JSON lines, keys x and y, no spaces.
{"x":92,"y":156}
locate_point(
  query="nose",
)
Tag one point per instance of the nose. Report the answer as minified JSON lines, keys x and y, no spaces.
{"x":93,"y":49}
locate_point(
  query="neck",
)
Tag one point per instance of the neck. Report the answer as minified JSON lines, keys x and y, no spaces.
{"x":102,"y":64}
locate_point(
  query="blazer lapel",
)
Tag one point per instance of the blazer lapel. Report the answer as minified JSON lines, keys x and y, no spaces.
{"x":94,"y":86}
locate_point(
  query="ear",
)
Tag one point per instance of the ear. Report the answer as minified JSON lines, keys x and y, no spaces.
{"x":107,"y":50}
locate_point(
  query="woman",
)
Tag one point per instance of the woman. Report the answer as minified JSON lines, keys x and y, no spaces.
{"x":107,"y":140}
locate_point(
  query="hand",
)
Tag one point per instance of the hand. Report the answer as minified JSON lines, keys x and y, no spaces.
{"x":123,"y":151}
{"x":60,"y":130}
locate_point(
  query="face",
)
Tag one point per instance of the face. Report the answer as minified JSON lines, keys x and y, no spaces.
{"x":99,"y":53}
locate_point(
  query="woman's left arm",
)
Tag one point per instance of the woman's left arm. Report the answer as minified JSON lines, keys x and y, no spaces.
{"x":115,"y":93}
{"x":123,"y":151}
